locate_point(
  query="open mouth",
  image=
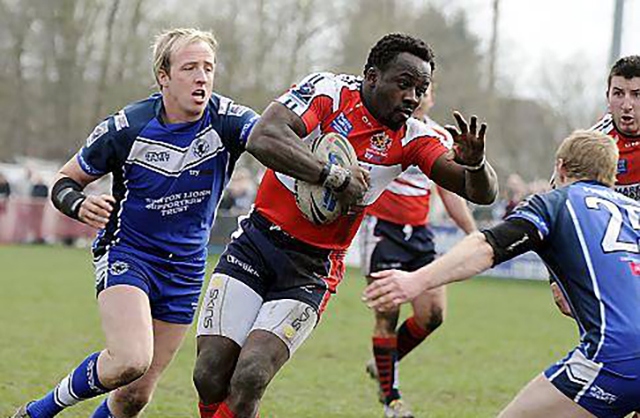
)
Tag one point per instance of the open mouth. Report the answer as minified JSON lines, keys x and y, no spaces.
{"x":199,"y":94}
{"x":627,"y":119}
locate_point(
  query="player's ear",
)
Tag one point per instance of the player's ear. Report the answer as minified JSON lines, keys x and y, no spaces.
{"x":163,"y":78}
{"x":561,"y":171}
{"x":371,"y":75}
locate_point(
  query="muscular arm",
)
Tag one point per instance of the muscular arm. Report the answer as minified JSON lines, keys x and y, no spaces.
{"x":275,"y":142}
{"x":478,"y":186}
{"x":458,"y":210}
{"x":73,"y":171}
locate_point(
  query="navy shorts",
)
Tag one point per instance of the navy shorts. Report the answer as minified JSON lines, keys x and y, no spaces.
{"x":276,"y":265}
{"x":173,"y":285}
{"x":604,"y":389}
{"x":386,"y":245}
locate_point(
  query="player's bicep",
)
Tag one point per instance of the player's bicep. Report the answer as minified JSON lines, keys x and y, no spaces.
{"x":513,"y":237}
{"x":277,"y":121}
{"x":74,"y":171}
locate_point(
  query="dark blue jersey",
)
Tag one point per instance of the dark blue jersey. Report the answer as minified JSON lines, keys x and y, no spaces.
{"x":590,"y":243}
{"x":167,"y":178}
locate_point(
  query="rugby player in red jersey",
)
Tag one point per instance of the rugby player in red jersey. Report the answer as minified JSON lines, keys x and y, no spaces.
{"x":395,"y":235}
{"x":622,"y":122}
{"x":276,"y":275}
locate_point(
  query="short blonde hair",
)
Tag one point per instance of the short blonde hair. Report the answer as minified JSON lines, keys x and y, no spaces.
{"x":590,"y":155}
{"x":171,"y":40}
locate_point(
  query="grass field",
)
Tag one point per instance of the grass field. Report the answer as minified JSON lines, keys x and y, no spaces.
{"x":497,"y":336}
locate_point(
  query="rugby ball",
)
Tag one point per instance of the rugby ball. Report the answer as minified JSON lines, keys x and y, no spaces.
{"x":317,"y":203}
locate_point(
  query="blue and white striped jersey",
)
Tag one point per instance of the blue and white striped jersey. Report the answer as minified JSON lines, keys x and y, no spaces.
{"x":591,"y":245}
{"x":167,"y":178}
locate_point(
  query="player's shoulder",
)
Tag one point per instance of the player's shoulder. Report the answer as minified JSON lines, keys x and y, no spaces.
{"x":604,"y":124}
{"x":326,"y":82}
{"x":139,"y":112}
{"x":128,"y":121}
{"x":227,"y":107}
{"x":417,"y":128}
{"x":584,"y":189}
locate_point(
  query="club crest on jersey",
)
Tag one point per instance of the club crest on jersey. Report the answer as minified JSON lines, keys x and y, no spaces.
{"x":379,"y":147}
{"x":304,"y":92}
{"x":99,"y":130}
{"x":201,"y":147}
{"x":118,"y":268}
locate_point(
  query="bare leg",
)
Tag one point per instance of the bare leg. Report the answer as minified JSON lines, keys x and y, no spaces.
{"x":216,"y":361}
{"x":128,"y":401}
{"x":540,"y":399}
{"x":262,"y":356}
{"x":127,"y":325}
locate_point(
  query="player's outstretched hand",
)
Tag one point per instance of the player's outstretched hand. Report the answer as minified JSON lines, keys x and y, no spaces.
{"x":95,"y":210}
{"x":357,"y":187}
{"x":468,"y":141}
{"x":390,"y":289}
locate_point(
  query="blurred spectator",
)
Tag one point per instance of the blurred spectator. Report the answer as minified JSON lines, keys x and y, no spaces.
{"x":240,"y":192}
{"x":5,"y":192}
{"x":516,"y":190}
{"x":39,"y":189}
{"x":5,"y":187}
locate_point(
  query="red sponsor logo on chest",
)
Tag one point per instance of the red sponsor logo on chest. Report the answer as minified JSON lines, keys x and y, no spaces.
{"x":635,"y":267}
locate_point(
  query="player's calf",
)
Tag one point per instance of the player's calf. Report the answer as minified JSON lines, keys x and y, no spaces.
{"x":262,"y":356}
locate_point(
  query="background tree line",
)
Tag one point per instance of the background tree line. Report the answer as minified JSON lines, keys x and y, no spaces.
{"x":66,"y":64}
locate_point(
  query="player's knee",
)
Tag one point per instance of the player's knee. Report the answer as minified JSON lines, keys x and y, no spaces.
{"x":209,"y":378}
{"x":131,"y":368}
{"x":436,"y":318}
{"x":386,"y":324}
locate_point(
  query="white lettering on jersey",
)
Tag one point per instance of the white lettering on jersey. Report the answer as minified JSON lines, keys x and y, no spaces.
{"x":120,"y":120}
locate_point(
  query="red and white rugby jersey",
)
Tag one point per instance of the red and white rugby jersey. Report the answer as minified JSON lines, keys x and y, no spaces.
{"x":407,"y":198}
{"x":332,"y":103}
{"x":628,"y":177}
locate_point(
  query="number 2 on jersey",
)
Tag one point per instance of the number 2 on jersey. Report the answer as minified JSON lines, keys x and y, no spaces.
{"x":610,"y":241}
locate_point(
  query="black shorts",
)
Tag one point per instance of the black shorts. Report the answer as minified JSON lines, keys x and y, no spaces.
{"x":276,"y":265}
{"x":386,"y":245}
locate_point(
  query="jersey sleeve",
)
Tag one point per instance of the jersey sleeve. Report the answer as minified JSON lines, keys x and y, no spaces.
{"x":313,"y":98}
{"x":422,"y":146}
{"x":537,"y":210}
{"x":99,"y":154}
{"x":240,"y":120}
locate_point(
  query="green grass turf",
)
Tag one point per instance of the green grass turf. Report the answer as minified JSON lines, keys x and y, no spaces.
{"x":497,"y":335}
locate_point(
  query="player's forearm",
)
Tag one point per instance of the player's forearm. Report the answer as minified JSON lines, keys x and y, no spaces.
{"x":280,"y":149}
{"x":469,"y":257}
{"x":481,"y":186}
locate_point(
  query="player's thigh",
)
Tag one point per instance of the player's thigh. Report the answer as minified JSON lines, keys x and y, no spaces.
{"x":167,"y":340}
{"x":229,"y":309}
{"x":291,"y":320}
{"x":430,"y":306}
{"x":126,"y":321}
{"x":541,"y":399}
